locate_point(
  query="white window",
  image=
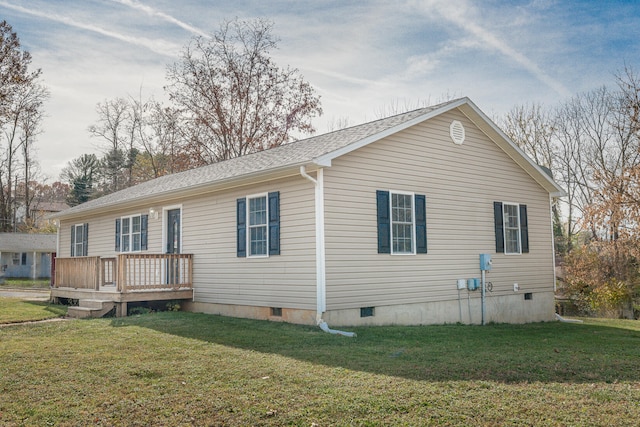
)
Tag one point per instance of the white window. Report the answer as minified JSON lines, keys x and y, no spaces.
{"x":258,"y":236}
{"x":79,"y":239}
{"x":402,"y":223}
{"x":131,"y":234}
{"x":511,"y":222}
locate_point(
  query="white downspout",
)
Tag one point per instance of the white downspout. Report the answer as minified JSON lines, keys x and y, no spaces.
{"x":321,"y":291}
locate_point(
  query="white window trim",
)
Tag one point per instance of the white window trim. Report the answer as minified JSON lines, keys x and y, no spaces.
{"x":248,"y":225}
{"x":413,"y":221}
{"x":504,"y":228}
{"x":75,"y":233}
{"x":130,"y":218}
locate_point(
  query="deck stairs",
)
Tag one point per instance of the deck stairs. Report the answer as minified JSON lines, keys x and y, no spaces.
{"x":90,"y":308}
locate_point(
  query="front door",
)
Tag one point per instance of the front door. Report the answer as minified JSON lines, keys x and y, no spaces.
{"x":173,"y":246}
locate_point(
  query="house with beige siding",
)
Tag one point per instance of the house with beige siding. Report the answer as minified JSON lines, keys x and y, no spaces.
{"x":380,"y":223}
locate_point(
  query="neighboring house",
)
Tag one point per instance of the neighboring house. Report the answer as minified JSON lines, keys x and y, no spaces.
{"x":381,"y":223}
{"x":39,"y":212}
{"x":26,"y":255}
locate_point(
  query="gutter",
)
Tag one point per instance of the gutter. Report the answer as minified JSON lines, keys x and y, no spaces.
{"x":321,"y":289}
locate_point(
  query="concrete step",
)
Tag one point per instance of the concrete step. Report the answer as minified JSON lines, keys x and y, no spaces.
{"x":93,"y":303}
{"x":94,"y":309}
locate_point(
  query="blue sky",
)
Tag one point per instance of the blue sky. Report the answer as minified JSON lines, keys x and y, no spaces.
{"x":361,"y":56}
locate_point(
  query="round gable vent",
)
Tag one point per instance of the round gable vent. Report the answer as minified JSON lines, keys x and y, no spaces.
{"x":456,"y":130}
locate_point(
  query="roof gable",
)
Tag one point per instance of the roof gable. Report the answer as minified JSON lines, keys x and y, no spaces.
{"x":318,"y":150}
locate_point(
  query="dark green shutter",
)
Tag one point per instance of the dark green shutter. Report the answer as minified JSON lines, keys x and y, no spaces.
{"x":421,"y":224}
{"x":524,"y":229}
{"x":384,"y":222}
{"x":144,"y":226}
{"x":241,"y":218}
{"x":499,"y":226}
{"x":73,"y":240}
{"x":118,"y":225}
{"x":274,"y":223}
{"x":85,"y":240}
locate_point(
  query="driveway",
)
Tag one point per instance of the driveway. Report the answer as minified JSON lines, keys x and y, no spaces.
{"x":26,"y":294}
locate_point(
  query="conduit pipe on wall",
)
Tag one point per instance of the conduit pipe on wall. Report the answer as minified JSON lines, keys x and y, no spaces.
{"x":320,"y":260}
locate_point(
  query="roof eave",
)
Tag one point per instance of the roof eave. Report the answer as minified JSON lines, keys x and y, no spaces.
{"x":167,"y":197}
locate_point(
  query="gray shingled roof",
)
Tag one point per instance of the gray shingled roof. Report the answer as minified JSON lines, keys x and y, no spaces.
{"x":295,"y":153}
{"x":22,"y":242}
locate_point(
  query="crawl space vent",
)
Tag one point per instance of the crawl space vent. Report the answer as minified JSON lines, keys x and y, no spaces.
{"x":456,"y":130}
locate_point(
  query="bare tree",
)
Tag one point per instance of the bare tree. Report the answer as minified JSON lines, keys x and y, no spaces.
{"x":533,"y":128}
{"x":233,"y":98}
{"x":21,"y":101}
{"x":118,"y":129}
{"x":31,"y":121}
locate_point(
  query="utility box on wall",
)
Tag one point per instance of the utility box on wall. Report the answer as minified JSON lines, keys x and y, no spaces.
{"x":485,"y":262}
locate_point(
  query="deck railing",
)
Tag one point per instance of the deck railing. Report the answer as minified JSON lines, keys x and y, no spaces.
{"x":138,"y":272}
{"x":128,"y":272}
{"x":77,"y":272}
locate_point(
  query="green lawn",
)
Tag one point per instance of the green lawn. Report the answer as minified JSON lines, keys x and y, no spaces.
{"x":15,"y":310}
{"x":14,"y":283}
{"x":179,"y":369}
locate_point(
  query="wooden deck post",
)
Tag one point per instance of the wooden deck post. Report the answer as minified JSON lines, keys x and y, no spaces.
{"x":121,"y":309}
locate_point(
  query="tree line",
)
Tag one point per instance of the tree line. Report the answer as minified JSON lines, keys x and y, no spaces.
{"x":227,"y":98}
{"x":591,"y":144}
{"x":22,"y":98}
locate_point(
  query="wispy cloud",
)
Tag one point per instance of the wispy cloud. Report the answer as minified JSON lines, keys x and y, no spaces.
{"x":153,"y":12}
{"x":161,"y":47}
{"x":458,"y":14}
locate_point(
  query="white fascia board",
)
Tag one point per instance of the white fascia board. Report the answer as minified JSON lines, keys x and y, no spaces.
{"x":326,"y":159}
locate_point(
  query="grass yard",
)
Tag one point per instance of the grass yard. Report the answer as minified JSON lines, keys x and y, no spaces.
{"x":179,"y":369}
{"x":14,"y":310}
{"x":13,"y":283}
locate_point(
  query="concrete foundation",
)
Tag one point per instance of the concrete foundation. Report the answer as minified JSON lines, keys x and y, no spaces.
{"x":516,"y":308}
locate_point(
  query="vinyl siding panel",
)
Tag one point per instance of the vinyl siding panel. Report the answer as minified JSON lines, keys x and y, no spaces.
{"x":460,"y":183}
{"x":286,"y":280}
{"x":209,"y":233}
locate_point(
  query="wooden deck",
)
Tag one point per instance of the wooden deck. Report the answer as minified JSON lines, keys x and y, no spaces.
{"x":126,"y":278}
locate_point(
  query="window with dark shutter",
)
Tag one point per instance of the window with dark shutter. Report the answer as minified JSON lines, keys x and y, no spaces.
{"x":498,"y":226}
{"x":85,"y":240}
{"x":511,"y":228}
{"x":73,"y":241}
{"x":274,"y":223}
{"x":421,"y":224}
{"x":241,"y":220}
{"x":384,"y":222}
{"x":524,"y":229}
{"x":144,"y":226}
{"x":402,"y":223}
{"x":132,"y":233}
{"x":118,"y":222}
{"x":258,"y":225}
{"x":79,"y":240}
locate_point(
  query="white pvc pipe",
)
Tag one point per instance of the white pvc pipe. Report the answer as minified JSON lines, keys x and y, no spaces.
{"x":562,"y":319}
{"x":320,"y":265}
{"x":323,"y":325}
